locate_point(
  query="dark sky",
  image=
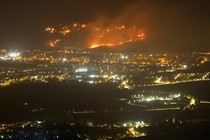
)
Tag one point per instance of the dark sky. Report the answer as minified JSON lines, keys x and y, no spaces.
{"x":168,"y":24}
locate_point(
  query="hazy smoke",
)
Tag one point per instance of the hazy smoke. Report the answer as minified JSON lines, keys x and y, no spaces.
{"x":162,"y":24}
{"x":104,"y":31}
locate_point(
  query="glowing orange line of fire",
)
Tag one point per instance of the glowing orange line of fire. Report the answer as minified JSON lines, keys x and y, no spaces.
{"x":116,"y":44}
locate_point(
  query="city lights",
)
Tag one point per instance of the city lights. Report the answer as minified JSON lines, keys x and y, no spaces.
{"x":81,"y":70}
{"x":104,"y":70}
{"x":84,"y":69}
{"x":14,"y":54}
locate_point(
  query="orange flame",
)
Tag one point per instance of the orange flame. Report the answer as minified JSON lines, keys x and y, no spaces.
{"x":97,"y":36}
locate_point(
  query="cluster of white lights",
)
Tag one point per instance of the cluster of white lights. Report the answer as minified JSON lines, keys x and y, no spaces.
{"x":79,"y":70}
{"x":135,"y":124}
{"x":124,"y":57}
{"x":14,"y":54}
{"x":93,"y":76}
{"x":11,"y":55}
{"x":141,"y":98}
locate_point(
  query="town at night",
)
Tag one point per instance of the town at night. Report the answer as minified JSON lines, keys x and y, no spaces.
{"x":100,"y":70}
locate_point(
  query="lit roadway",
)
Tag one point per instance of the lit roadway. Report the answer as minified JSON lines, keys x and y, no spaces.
{"x":158,"y":81}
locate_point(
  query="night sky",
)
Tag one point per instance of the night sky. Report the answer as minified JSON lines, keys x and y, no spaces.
{"x":169,"y":25}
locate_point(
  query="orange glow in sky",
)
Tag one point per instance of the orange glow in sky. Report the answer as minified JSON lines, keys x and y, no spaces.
{"x":96,"y":36}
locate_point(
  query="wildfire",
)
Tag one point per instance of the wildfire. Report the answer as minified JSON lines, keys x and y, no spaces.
{"x":95,"y":36}
{"x":65,"y":30}
{"x":53,"y":43}
{"x":98,"y":45}
{"x":50,"y":30}
{"x":94,"y":46}
{"x":138,"y":37}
